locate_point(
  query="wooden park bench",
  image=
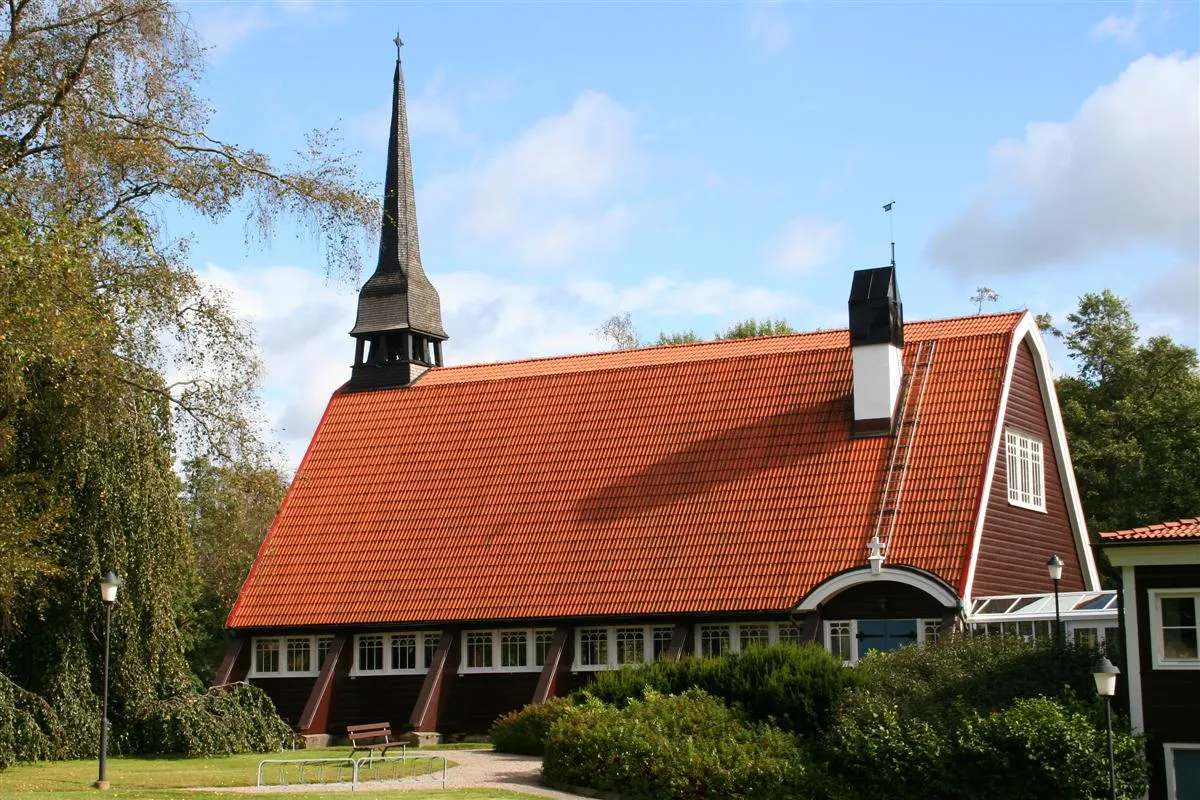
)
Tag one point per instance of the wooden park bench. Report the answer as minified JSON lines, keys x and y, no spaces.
{"x":360,"y":736}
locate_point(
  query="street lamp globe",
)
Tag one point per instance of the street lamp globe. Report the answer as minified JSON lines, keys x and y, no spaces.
{"x":1105,"y":673}
{"x":1054,"y":567}
{"x":108,"y":587}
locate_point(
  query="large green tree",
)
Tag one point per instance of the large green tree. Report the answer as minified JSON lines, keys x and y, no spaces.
{"x":227,"y":509}
{"x":1132,"y":413}
{"x":114,"y":357}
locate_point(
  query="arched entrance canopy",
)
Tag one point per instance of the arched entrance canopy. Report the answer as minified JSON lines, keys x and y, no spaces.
{"x":927,"y":582}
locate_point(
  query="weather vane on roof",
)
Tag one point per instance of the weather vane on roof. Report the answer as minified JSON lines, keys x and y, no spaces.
{"x":399,"y":43}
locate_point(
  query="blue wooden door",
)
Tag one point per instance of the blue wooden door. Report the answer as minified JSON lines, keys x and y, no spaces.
{"x":885,"y":634}
{"x":1187,"y":774}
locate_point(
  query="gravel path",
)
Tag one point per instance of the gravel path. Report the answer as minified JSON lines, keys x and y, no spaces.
{"x":476,"y":769}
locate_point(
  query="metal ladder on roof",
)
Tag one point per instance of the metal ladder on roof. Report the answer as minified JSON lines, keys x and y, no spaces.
{"x":907,"y":427}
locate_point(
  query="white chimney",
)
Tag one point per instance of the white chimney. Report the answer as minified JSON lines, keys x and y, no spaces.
{"x":877,"y":347}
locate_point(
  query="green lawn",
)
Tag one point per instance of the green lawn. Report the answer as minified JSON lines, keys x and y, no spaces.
{"x":145,"y":778}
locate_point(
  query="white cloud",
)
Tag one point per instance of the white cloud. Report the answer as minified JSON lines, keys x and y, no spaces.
{"x":1124,"y":172}
{"x":554,"y":191}
{"x":1122,"y":28}
{"x":301,"y":323}
{"x":804,"y":243}
{"x":1169,"y":305}
{"x":767,"y":27}
{"x":222,"y":27}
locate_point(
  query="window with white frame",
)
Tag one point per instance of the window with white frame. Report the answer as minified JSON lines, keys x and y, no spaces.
{"x":734,"y":637}
{"x":542,"y":642}
{"x":614,"y":646}
{"x":1025,"y":470}
{"x":714,"y":640}
{"x":287,"y":656}
{"x":514,"y":649}
{"x":788,"y":634}
{"x":1175,"y":628}
{"x":505,"y":650}
{"x":662,"y":642}
{"x":477,"y":650}
{"x":370,"y":653}
{"x":839,"y":640}
{"x":631,"y":646}
{"x":593,"y":647}
{"x":392,"y":653}
{"x":266,"y":656}
{"x":430,"y":643}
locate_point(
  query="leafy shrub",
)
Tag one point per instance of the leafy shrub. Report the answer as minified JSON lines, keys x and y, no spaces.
{"x":1036,"y":749}
{"x":525,"y":731}
{"x":683,"y":746}
{"x":239,"y":718}
{"x":794,"y":687}
{"x":977,"y":674}
{"x":29,"y":728}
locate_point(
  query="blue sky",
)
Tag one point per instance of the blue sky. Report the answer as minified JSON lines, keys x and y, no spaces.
{"x":695,"y":164}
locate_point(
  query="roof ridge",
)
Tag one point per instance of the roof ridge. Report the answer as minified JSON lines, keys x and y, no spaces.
{"x":709,"y":343}
{"x":1156,"y":526}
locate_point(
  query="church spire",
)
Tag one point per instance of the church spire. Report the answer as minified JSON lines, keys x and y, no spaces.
{"x":399,"y":326}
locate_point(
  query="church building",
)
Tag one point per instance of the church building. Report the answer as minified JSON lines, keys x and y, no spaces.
{"x":461,"y":541}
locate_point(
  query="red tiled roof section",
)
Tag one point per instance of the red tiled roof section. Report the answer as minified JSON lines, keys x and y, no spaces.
{"x":716,"y":477}
{"x":1181,"y":529}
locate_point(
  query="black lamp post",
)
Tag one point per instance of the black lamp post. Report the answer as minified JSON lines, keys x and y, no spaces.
{"x":108,"y":593}
{"x":1054,"y":567}
{"x":1106,"y":686}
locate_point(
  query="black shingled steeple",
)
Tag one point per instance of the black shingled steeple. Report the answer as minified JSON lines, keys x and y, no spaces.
{"x":399,"y":327}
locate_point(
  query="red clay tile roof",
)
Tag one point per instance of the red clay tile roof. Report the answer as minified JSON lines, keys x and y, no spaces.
{"x":715,"y":477}
{"x":1182,"y":529}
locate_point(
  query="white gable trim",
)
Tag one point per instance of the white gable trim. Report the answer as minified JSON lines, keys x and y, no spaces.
{"x":1026,"y":331}
{"x":853,"y":577}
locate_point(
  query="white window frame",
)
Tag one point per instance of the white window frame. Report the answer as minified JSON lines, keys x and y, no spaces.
{"x":923,"y":623}
{"x":1025,"y":469}
{"x":1169,"y":749}
{"x":735,"y":633}
{"x":420,"y":669}
{"x":611,"y":650}
{"x":496,"y":636}
{"x":281,"y":642}
{"x":1157,"y":645}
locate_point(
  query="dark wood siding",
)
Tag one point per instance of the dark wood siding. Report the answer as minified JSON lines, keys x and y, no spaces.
{"x":1165,"y":692}
{"x":882,"y":600}
{"x":474,"y":700}
{"x":373,"y":698}
{"x":1017,"y":542}
{"x":288,"y":694}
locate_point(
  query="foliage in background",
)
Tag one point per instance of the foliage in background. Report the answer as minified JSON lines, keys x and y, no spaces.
{"x":682,"y":746}
{"x":29,"y":728}
{"x":227,"y":510}
{"x":1132,"y":415}
{"x":525,"y":731}
{"x":750,"y":328}
{"x":114,"y":356}
{"x":793,"y":686}
{"x":224,"y":720}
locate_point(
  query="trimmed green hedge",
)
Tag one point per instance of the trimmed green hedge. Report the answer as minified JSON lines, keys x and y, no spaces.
{"x":525,"y":731}
{"x":794,"y":687}
{"x":1036,"y":749}
{"x":684,"y":746}
{"x":977,"y":674}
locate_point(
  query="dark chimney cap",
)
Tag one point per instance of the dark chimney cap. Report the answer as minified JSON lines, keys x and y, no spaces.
{"x":876,"y":313}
